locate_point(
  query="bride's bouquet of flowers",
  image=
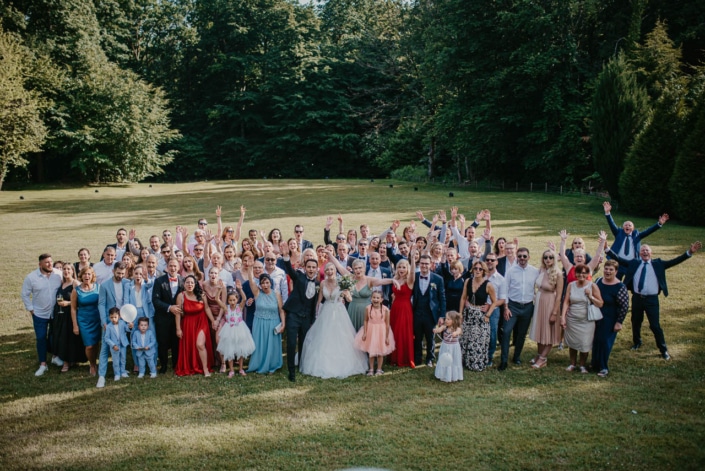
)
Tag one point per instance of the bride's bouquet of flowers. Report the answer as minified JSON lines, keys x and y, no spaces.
{"x":346,"y":282}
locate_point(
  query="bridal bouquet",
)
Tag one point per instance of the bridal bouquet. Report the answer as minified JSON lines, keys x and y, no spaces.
{"x":346,"y":282}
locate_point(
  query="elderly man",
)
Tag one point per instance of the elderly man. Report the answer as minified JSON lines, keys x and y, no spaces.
{"x":278,"y":276}
{"x":104,"y":269}
{"x":39,"y":297}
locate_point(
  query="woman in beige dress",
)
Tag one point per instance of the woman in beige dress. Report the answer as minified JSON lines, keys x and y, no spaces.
{"x":579,"y":331}
{"x":545,"y":327}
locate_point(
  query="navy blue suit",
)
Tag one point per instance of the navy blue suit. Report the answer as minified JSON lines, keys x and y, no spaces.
{"x":428,"y":308}
{"x":620,"y":237}
{"x":647,"y":303}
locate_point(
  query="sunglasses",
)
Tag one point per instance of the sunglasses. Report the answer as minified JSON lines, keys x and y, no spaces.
{"x":202,"y":223}
{"x":490,"y":260}
{"x":478,"y":269}
{"x":299,"y":232}
{"x":548,"y":257}
{"x":522,"y":256}
{"x":270,"y":259}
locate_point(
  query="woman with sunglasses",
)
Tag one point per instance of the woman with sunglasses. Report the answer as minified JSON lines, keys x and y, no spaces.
{"x":475,"y":339}
{"x":545,"y":328}
{"x":579,"y":331}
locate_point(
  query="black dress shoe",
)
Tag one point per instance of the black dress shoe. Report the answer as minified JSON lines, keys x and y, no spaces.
{"x":162,"y":370}
{"x":666,"y":356}
{"x":517,"y":362}
{"x":636,"y":346}
{"x":292,"y":377}
{"x":502,"y":366}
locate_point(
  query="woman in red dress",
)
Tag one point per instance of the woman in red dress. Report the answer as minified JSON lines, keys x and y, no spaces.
{"x":195,"y":348}
{"x":401,"y":317}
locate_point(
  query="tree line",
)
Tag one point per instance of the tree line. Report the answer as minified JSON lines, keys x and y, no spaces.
{"x":563,"y":91}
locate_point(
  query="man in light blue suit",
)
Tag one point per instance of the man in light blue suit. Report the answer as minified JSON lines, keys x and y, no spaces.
{"x":112,"y":294}
{"x":115,"y":337}
{"x":144,"y":347}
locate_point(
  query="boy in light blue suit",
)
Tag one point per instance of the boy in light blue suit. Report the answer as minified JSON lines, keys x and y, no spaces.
{"x":115,"y":338}
{"x":144,"y":348}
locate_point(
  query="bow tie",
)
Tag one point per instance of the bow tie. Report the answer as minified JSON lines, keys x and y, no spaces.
{"x":424,"y":278}
{"x":173,"y":279}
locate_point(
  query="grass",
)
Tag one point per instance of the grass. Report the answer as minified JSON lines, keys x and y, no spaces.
{"x":647,"y":415}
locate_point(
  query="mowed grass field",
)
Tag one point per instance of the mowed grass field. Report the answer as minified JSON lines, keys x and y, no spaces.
{"x":648,"y":414}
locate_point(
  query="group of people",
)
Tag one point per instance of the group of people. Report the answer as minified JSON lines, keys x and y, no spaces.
{"x":214,"y":300}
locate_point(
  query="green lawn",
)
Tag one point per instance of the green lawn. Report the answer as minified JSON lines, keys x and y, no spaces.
{"x":648,"y":414}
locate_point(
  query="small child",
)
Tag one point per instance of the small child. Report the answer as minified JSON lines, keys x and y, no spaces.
{"x":116,"y":338}
{"x":234,"y":338}
{"x":375,"y":337}
{"x":143,"y":348}
{"x":450,"y":360}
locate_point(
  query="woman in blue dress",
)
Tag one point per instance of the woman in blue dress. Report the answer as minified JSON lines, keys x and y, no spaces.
{"x":85,"y":315}
{"x":614,"y":311}
{"x":267,"y":357}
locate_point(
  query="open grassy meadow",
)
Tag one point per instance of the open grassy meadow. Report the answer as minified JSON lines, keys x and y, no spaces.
{"x":648,"y":414}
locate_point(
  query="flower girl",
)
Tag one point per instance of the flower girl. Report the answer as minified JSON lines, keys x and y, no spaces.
{"x":375,"y":337}
{"x":450,"y":360}
{"x":235,"y":338}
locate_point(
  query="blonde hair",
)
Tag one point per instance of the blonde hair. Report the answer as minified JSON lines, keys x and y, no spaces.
{"x":401,"y":262}
{"x":552,"y":272}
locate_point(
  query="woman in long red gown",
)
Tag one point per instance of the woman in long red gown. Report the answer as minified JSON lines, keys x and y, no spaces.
{"x":193,"y":330}
{"x":401,"y":317}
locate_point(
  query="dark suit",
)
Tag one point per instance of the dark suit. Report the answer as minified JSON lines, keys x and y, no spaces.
{"x":300,"y":312}
{"x":647,"y":303}
{"x":428,"y":308}
{"x":620,"y":238}
{"x":164,"y":321}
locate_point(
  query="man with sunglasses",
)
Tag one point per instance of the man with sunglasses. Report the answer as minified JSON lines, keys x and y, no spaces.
{"x":518,"y":311}
{"x":277,"y":275}
{"x":300,"y":241}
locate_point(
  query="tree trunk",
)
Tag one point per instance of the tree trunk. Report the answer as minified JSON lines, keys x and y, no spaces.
{"x":431,"y":157}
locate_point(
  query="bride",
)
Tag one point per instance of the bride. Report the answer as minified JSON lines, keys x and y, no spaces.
{"x":329,"y":350}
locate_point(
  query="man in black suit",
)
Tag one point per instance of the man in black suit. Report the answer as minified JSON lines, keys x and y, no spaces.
{"x":300,"y":307}
{"x":646,"y":278}
{"x":429,"y":306}
{"x":164,"y":293}
{"x":300,"y":241}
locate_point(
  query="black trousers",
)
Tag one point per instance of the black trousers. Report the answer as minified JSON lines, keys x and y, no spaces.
{"x":165,"y":327}
{"x":650,"y":306}
{"x":296,"y":329}
{"x":423,"y":328}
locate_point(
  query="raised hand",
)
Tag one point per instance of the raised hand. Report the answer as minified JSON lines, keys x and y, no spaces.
{"x":486,"y":234}
{"x":480,"y":215}
{"x":435,"y":220}
{"x":442,"y":216}
{"x":242,"y":211}
{"x":607,"y":206}
{"x":564,"y":234}
{"x":133,"y":234}
{"x":329,"y":222}
{"x":395,"y":225}
{"x":454,"y":212}
{"x":551,"y":245}
{"x":340,"y":218}
{"x":419,"y":215}
{"x":602,"y":235}
{"x":663,"y":218}
{"x":284,"y":248}
{"x":209,"y":235}
{"x":487,"y":216}
{"x":262,"y":235}
{"x":461,"y":219}
{"x":695,"y":246}
{"x":217,"y":211}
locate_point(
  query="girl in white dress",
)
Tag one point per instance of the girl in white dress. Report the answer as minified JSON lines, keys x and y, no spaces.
{"x":235,"y":339}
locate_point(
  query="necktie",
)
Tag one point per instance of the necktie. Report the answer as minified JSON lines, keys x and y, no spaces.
{"x":627,"y":243}
{"x":642,"y":277}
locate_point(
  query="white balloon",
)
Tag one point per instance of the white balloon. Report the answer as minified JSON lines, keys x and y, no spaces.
{"x":128,"y":313}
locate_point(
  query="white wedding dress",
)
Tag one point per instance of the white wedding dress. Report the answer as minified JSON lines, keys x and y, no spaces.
{"x":329,"y":347}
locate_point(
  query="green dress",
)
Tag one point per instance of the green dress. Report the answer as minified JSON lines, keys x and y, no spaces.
{"x":356,"y":308}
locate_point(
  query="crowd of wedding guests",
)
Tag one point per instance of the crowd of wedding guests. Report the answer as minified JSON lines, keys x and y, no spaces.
{"x":219,"y":300}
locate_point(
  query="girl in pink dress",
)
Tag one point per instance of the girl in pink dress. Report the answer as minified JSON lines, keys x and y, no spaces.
{"x":375,"y":337}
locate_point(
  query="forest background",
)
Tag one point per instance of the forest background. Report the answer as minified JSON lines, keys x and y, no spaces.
{"x":606,"y":94}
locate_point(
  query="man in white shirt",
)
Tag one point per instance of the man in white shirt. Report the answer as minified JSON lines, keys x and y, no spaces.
{"x":277,"y":275}
{"x":104,"y":269}
{"x":519,"y":309}
{"x":500,"y":288}
{"x":39,"y":297}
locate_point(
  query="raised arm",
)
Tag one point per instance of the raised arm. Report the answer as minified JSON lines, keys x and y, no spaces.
{"x":238,"y":227}
{"x":561,"y":252}
{"x":411,"y":276}
{"x":326,"y":231}
{"x":220,"y":224}
{"x":595,"y":262}
{"x":338,"y":266}
{"x":608,"y":214}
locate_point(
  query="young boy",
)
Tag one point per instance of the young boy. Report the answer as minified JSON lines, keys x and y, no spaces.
{"x":144,"y":348}
{"x":116,"y":338}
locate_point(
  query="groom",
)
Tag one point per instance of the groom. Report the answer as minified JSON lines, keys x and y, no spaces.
{"x":300,"y":307}
{"x":429,"y":306}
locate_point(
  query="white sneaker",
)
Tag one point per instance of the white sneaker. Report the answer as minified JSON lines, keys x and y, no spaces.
{"x":117,"y":377}
{"x":42,"y":369}
{"x":101,"y":382}
{"x":57,"y":361}
{"x":126,"y":374}
{"x":141,"y":376}
{"x":153,"y":375}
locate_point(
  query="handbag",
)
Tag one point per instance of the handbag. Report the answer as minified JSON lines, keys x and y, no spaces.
{"x":594,"y":313}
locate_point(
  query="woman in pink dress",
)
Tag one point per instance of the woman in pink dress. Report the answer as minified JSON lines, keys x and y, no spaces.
{"x":401,"y":318}
{"x":193,"y":330}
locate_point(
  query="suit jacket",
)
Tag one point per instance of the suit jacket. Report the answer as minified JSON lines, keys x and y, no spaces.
{"x":660,"y":267}
{"x":298,"y":302}
{"x":394,"y":257}
{"x":437,"y":295}
{"x":149,"y":341}
{"x":118,"y":338}
{"x":107,"y":298}
{"x":306,"y":244}
{"x":161,"y":294}
{"x":145,"y":294}
{"x":620,"y":236}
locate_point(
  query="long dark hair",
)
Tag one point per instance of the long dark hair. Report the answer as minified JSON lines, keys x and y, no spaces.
{"x":197,"y":290}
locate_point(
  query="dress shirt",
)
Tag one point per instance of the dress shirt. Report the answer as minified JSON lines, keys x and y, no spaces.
{"x":279,"y":283}
{"x":628,"y":242}
{"x":520,"y":283}
{"x":39,"y":292}
{"x":118,"y":294}
{"x":500,"y":286}
{"x":375,"y":273}
{"x":310,"y":288}
{"x":174,"y":285}
{"x":650,"y":284}
{"x":423,"y":283}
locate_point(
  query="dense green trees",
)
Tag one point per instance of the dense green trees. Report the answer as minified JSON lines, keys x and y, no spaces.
{"x":517,"y":90}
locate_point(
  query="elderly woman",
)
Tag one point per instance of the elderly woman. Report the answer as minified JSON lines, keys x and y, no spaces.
{"x":85,"y":316}
{"x":579,"y":331}
{"x":361,"y":292}
{"x":475,"y":339}
{"x":614,"y":310}
{"x":545,"y":326}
